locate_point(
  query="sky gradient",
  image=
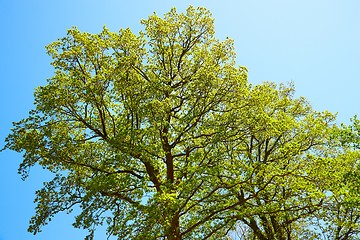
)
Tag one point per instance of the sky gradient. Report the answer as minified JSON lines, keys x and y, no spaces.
{"x":315,"y":44}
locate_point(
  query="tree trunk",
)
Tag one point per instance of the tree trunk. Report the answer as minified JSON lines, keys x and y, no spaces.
{"x":174,"y":233}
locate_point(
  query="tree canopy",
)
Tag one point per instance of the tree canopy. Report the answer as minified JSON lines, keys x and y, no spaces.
{"x":159,"y":135}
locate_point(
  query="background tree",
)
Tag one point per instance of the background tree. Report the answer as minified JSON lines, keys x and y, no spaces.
{"x":339,"y":218}
{"x":278,"y":159}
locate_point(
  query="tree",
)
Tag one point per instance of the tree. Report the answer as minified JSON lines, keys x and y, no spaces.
{"x":160,"y":136}
{"x":127,"y":126}
{"x":280,"y":158}
{"x":339,"y":218}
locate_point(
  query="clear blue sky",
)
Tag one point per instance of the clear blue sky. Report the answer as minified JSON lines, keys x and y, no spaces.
{"x":314,"y":43}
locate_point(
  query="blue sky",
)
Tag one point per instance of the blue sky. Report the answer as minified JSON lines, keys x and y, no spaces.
{"x":314,"y":43}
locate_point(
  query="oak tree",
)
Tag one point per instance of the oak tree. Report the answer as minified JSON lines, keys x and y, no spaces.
{"x":339,"y":217}
{"x":278,"y":162}
{"x":127,"y":124}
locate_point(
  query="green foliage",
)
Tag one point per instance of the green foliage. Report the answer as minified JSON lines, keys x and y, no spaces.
{"x":339,"y":218}
{"x":160,"y":136}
